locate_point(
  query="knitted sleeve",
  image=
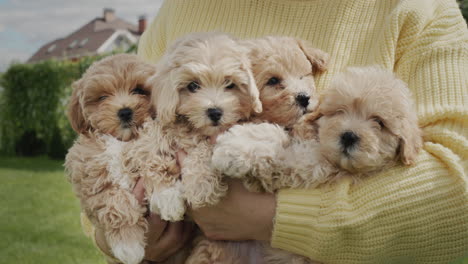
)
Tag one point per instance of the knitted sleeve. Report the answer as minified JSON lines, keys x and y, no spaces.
{"x":417,"y":214}
{"x":152,"y":43}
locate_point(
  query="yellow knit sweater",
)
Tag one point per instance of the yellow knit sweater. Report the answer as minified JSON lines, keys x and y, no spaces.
{"x":405,"y":215}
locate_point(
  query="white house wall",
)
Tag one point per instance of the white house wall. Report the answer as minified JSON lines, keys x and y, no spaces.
{"x":110,"y":44}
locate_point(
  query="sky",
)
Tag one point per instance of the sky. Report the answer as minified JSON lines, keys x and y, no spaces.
{"x":26,"y":25}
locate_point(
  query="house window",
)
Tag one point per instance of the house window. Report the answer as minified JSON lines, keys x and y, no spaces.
{"x":121,"y":43}
{"x":51,"y":48}
{"x":83,"y":42}
{"x":73,"y":44}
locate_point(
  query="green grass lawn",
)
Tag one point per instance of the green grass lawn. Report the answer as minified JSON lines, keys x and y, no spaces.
{"x":39,"y":215}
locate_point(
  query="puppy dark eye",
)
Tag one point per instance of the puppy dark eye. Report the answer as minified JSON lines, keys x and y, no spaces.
{"x":193,"y":87}
{"x":273,"y":81}
{"x":139,"y":90}
{"x":102,"y":98}
{"x":379,"y":121}
{"x":339,"y":112}
{"x":231,"y":86}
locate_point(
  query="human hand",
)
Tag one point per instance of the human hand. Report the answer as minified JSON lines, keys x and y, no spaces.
{"x":240,"y":215}
{"x":163,"y":238}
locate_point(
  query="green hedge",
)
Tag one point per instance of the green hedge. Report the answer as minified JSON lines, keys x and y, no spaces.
{"x":464,"y":8}
{"x":33,"y":104}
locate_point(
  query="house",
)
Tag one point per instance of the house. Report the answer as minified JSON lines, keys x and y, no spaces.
{"x":101,"y":35}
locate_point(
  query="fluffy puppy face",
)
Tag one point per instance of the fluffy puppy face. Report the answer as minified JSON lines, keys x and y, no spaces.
{"x":112,"y":97}
{"x":284,"y":70}
{"x":368,"y":121}
{"x":206,"y":79}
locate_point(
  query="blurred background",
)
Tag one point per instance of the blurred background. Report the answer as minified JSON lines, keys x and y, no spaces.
{"x":45,"y":46}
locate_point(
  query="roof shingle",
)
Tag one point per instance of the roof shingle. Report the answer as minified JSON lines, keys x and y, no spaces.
{"x":87,"y":40}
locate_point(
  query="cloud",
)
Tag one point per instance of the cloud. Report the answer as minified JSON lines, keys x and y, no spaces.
{"x":41,"y":21}
{"x":14,"y":47}
{"x":9,"y":57}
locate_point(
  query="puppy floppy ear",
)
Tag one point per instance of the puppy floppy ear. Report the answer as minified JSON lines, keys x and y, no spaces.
{"x":75,"y":113}
{"x":307,"y":127}
{"x":165,"y":97}
{"x":317,"y":57}
{"x":410,"y":140}
{"x":149,"y":71}
{"x":252,"y":89}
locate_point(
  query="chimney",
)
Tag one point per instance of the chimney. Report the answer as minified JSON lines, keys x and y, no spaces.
{"x":141,"y":24}
{"x":109,"y":14}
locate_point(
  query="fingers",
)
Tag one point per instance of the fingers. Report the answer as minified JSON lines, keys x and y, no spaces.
{"x":180,"y":239}
{"x":215,"y":136}
{"x":213,"y":139}
{"x":156,"y":227}
{"x":174,"y":238}
{"x":139,"y":191}
{"x":180,"y":156}
{"x":188,"y":231}
{"x":171,"y":239}
{"x":101,"y":242}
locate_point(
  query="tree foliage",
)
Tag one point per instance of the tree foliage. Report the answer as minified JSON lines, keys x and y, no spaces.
{"x":464,"y":8}
{"x":33,"y":106}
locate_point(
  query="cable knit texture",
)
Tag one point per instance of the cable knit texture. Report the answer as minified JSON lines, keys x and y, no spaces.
{"x":405,"y":215}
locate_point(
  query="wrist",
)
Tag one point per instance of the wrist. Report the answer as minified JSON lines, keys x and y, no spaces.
{"x":266,"y":217}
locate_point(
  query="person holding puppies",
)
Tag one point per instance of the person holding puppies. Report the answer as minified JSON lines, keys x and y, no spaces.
{"x":411,"y":214}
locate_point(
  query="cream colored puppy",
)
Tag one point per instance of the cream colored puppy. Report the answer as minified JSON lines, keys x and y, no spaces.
{"x":284,"y":69}
{"x":204,"y":85}
{"x":365,"y":123}
{"x":108,"y":106}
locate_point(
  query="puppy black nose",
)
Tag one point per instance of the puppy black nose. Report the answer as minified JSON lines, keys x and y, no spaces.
{"x":125,"y":114}
{"x":214,"y":114}
{"x":348,"y":139}
{"x":303,"y":100}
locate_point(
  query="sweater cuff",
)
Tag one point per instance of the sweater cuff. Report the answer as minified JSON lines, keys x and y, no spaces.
{"x":299,"y":213}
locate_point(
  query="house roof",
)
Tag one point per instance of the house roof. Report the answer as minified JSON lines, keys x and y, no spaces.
{"x":84,"y":41}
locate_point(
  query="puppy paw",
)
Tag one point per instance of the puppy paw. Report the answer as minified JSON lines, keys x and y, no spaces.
{"x":169,"y":204}
{"x":253,"y":185}
{"x":243,"y":148}
{"x":207,"y":193}
{"x":232,"y":162}
{"x":128,"y":254}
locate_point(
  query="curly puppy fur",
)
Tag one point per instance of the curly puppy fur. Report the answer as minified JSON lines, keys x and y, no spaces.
{"x":204,"y":85}
{"x":284,"y":69}
{"x":108,"y":105}
{"x":365,"y":123}
{"x":108,"y":86}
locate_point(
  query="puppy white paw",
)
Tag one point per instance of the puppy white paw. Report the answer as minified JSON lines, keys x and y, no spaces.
{"x":230,"y":161}
{"x":245,"y":147}
{"x":169,"y":204}
{"x":128,"y":252}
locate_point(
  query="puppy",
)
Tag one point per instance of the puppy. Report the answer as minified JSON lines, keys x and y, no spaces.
{"x":365,"y":123}
{"x":204,"y":85}
{"x":108,"y":106}
{"x":284,"y":69}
